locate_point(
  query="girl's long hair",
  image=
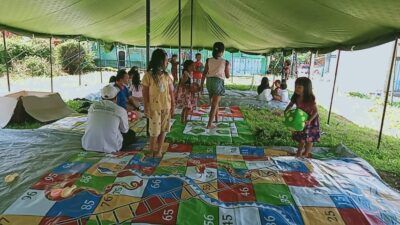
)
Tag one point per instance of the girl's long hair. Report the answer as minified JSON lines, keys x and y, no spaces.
{"x":186,"y":65}
{"x":134,"y":72}
{"x":308,"y":95}
{"x":156,"y":64}
{"x":264,"y":85}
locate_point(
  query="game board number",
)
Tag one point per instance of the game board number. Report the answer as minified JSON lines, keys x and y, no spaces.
{"x":156,"y":184}
{"x":3,"y":221}
{"x":270,"y":220}
{"x":50,"y":177}
{"x":284,"y":198}
{"x":206,"y":187}
{"x":227,"y":220}
{"x":68,"y":165}
{"x":331,"y":216}
{"x":244,"y":191}
{"x":86,"y":179}
{"x":117,"y":191}
{"x":87,"y":205}
{"x":29,"y":195}
{"x":208,"y":220}
{"x":167,"y":215}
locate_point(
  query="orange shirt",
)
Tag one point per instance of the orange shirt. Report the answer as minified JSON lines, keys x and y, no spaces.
{"x":198,"y":70}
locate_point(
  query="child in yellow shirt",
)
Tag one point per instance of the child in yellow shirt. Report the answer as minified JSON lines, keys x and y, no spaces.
{"x":159,"y":103}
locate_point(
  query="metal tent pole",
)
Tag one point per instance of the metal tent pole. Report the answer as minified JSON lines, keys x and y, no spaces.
{"x":334,"y":86}
{"x":232,"y":66}
{"x":116,"y":54}
{"x":147,"y":32}
{"x":100,"y":62}
{"x":179,"y":37}
{"x":79,"y":60}
{"x":309,"y":68}
{"x":129,"y":56}
{"x":191,"y":29}
{"x":387,"y":92}
{"x":6,"y":61}
{"x":147,"y":50}
{"x":51,"y":66}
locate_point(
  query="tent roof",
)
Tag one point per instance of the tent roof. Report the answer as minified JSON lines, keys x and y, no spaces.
{"x":254,"y":26}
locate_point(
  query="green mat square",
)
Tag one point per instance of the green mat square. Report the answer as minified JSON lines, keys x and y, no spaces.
{"x":170,"y":170}
{"x":202,"y":149}
{"x":95,"y":182}
{"x":234,"y":164}
{"x":195,"y":211}
{"x":274,"y":194}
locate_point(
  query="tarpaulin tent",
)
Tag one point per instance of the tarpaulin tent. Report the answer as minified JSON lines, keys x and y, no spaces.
{"x":26,"y":105}
{"x":256,"y":26}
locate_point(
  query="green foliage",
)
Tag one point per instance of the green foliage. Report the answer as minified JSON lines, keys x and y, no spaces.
{"x":395,"y":104}
{"x":359,"y":95}
{"x":74,"y":105}
{"x":25,"y":125}
{"x":36,"y":66}
{"x":240,"y":87}
{"x":74,"y":59}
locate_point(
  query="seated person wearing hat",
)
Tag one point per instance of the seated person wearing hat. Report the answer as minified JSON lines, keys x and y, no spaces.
{"x":107,"y":128}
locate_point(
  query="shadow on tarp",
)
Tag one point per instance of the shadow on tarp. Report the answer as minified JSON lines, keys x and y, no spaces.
{"x":31,"y":153}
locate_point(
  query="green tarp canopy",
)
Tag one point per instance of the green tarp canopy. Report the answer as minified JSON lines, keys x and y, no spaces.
{"x":253,"y":26}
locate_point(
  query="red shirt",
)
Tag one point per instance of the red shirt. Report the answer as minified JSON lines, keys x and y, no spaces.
{"x":198,"y":73}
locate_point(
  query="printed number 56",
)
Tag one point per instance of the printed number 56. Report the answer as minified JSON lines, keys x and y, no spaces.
{"x":208,"y":220}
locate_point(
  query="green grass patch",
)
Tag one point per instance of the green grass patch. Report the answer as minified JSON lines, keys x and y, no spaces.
{"x":240,"y":87}
{"x":359,"y":95}
{"x":73,"y":104}
{"x":268,"y":129}
{"x":25,"y":125}
{"x":395,"y":104}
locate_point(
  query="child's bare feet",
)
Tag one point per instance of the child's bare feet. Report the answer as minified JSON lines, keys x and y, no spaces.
{"x":158,"y":154}
{"x":212,"y":126}
{"x":307,"y":154}
{"x":150,"y":155}
{"x":299,"y":153}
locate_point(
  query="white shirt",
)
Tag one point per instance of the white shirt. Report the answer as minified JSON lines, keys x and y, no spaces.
{"x":216,"y":67}
{"x":265,"y":95}
{"x":106,"y":121}
{"x":284,"y":95}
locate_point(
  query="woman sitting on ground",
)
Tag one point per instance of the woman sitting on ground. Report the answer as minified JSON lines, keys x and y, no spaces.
{"x":264,"y":91}
{"x":135,"y":86}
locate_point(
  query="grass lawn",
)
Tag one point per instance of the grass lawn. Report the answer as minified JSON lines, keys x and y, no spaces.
{"x":269,"y":130}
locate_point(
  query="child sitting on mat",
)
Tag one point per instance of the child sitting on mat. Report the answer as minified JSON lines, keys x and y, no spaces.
{"x":159,"y":102}
{"x":304,"y":99}
{"x":186,"y":99}
{"x":282,"y":94}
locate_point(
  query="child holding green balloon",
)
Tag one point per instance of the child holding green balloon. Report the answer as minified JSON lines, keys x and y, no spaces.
{"x":304,"y":100}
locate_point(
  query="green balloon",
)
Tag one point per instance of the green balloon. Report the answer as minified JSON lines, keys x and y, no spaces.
{"x":295,"y":119}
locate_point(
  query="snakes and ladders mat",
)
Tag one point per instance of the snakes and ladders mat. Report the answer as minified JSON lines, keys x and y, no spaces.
{"x":231,"y":128}
{"x":194,"y":184}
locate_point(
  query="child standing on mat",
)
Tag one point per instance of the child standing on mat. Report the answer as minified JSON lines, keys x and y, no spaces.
{"x":216,"y":70}
{"x":198,"y":69}
{"x":185,"y":98}
{"x":159,"y":103}
{"x":304,"y":99}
